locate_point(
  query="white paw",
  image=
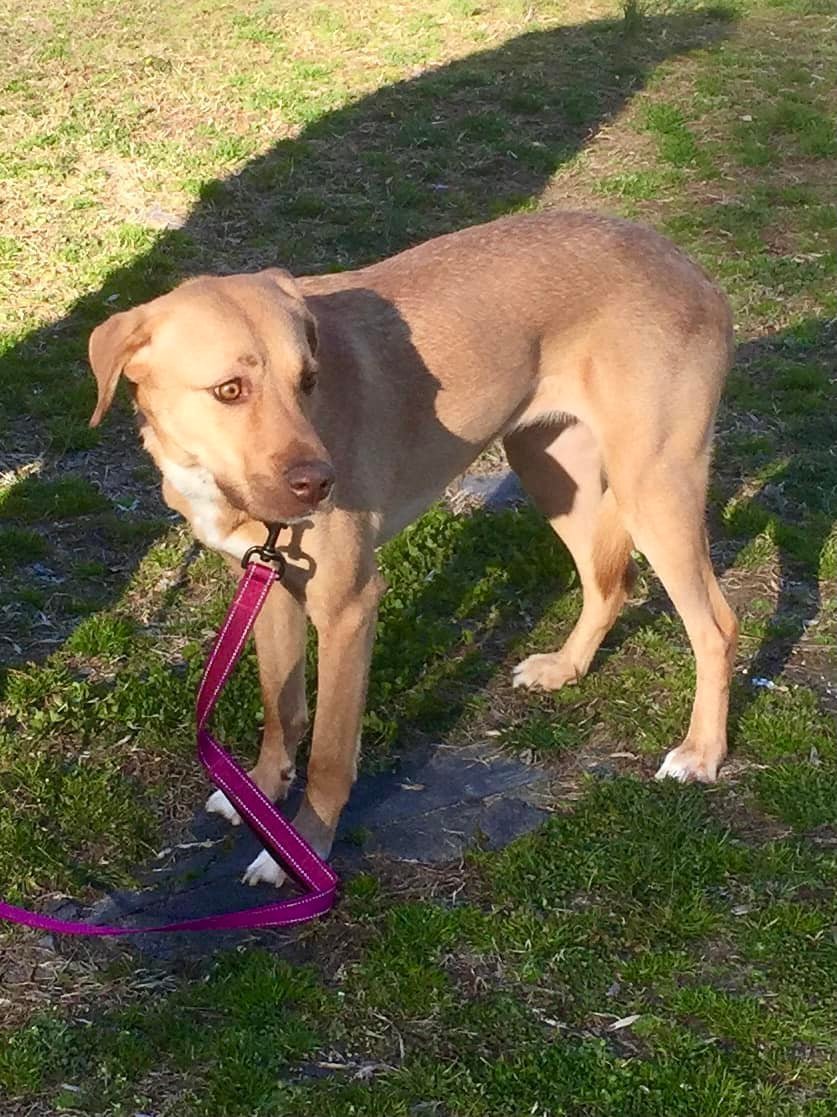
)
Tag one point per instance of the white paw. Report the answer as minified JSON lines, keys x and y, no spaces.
{"x":686,"y":764}
{"x":264,"y":870}
{"x":218,"y":803}
{"x":547,"y":672}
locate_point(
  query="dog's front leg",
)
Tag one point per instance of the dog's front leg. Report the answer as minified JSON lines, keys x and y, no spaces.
{"x":345,"y":626}
{"x":280,"y":632}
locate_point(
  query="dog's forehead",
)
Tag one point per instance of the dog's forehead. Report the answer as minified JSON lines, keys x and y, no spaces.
{"x":218,"y":324}
{"x":192,"y":342}
{"x":227,"y":313}
{"x":202,"y":304}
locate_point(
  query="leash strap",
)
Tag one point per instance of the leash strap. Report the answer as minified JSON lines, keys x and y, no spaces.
{"x":279,"y":837}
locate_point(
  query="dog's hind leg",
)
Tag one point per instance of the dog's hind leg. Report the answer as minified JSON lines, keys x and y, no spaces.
{"x":662,"y":496}
{"x":560,"y":467}
{"x":280,"y":631}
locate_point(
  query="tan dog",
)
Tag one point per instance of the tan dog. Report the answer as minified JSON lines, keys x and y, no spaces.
{"x":592,"y":346}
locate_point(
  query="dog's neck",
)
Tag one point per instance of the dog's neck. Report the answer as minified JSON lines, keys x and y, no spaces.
{"x":192,"y":491}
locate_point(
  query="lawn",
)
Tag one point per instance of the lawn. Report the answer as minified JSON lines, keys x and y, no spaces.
{"x":653,"y":950}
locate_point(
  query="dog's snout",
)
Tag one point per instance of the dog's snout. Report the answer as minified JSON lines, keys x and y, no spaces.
{"x":310,"y":482}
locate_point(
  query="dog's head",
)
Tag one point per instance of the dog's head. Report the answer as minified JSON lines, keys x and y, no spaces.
{"x":223,"y":372}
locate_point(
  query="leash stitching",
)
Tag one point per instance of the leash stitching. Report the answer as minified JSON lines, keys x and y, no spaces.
{"x":285,"y":854}
{"x":227,"y":671}
{"x":239,"y":593}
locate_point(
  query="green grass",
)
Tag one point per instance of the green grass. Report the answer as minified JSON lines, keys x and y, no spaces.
{"x":675,"y":142}
{"x":639,"y":185}
{"x":103,"y":635}
{"x":505,"y":1000}
{"x":454,"y":583}
{"x":20,"y":546}
{"x":32,"y":499}
{"x":323,"y":137}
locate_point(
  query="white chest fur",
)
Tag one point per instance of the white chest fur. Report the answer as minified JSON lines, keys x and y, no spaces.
{"x":208,"y":512}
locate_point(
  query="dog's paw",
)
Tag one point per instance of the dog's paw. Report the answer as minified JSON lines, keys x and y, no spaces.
{"x":264,"y":870}
{"x":218,"y":803}
{"x":545,"y":672}
{"x":689,"y":764}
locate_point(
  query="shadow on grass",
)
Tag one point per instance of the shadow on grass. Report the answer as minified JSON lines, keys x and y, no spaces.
{"x":777,"y":483}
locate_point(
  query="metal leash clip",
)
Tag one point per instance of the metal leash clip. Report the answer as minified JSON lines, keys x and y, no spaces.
{"x":268,"y":552}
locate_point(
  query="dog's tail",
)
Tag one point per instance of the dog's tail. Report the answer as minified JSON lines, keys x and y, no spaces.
{"x":612,"y":546}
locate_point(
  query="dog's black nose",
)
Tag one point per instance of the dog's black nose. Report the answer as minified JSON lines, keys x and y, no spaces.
{"x":310,"y":482}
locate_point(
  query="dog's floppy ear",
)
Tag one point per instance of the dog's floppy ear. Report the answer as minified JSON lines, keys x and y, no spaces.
{"x":286,"y":283}
{"x":112,"y":345}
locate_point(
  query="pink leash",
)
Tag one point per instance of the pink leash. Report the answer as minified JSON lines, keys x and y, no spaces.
{"x":279,"y":837}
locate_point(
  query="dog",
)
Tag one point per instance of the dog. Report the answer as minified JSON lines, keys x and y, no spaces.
{"x":342,"y":405}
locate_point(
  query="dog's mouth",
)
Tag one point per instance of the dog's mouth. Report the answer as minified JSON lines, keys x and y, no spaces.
{"x":306,"y":517}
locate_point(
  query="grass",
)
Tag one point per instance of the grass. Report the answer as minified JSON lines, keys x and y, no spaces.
{"x":19,"y":546}
{"x":676,"y":144}
{"x":653,"y":951}
{"x":31,"y":499}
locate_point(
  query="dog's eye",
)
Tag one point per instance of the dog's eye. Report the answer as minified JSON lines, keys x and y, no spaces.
{"x":308,"y":382}
{"x":230,"y":391}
